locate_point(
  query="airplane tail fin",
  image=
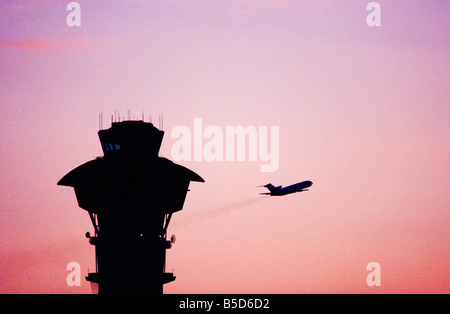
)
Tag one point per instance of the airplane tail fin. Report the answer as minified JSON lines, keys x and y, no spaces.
{"x":270,"y":187}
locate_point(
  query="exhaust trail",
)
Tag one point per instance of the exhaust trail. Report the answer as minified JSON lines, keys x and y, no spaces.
{"x":220,"y":211}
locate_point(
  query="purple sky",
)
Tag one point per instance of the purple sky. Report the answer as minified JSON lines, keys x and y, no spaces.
{"x":362,"y":112}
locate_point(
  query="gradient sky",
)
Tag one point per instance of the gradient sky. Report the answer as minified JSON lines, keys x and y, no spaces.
{"x":363,"y":112}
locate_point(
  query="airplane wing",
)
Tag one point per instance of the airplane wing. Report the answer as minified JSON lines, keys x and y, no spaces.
{"x":265,"y":193}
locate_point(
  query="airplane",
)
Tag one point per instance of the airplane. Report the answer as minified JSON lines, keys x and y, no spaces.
{"x":279,"y":190}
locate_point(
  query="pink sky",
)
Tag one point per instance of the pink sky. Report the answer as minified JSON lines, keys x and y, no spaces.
{"x":363,"y":112}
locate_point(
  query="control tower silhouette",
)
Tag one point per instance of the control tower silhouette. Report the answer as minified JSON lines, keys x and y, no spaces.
{"x":130,"y":194}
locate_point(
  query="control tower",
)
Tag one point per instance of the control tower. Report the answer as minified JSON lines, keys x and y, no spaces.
{"x":130,"y":195}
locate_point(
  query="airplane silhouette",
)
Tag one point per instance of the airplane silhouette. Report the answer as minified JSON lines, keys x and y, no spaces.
{"x":279,"y":190}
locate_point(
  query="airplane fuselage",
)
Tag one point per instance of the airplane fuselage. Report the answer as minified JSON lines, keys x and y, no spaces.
{"x":279,"y":191}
